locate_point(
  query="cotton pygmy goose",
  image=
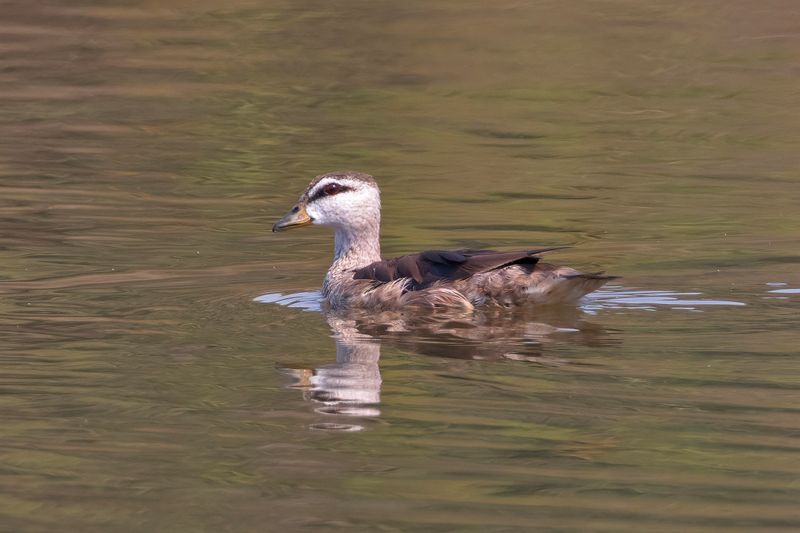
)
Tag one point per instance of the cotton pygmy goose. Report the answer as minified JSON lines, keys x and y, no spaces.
{"x":350,"y":203}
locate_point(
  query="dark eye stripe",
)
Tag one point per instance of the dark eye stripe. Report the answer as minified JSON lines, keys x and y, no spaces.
{"x":329,"y":190}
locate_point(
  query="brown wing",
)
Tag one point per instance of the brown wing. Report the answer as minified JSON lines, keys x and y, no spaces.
{"x":426,"y":268}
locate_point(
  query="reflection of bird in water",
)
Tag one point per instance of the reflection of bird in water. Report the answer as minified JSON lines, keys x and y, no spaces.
{"x":349,"y":202}
{"x":351,"y":385}
{"x":490,"y":334}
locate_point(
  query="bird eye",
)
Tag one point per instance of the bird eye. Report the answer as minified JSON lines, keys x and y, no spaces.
{"x":331,"y":189}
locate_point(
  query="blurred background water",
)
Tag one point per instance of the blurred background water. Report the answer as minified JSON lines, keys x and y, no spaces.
{"x":163,"y":364}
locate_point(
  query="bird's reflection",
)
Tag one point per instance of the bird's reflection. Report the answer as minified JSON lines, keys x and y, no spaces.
{"x":352,"y":385}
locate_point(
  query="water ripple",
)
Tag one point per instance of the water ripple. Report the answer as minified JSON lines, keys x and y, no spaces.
{"x":649,"y":300}
{"x":305,"y":300}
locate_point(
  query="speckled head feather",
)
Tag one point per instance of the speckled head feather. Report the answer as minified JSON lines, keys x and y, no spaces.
{"x":347,"y":201}
{"x":339,"y":176}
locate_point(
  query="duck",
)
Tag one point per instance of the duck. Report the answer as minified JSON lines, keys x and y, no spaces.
{"x":349,"y":202}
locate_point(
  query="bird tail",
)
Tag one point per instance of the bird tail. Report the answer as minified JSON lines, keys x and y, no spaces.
{"x":558,"y":288}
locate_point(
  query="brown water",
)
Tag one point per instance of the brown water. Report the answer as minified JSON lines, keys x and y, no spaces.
{"x":147,"y":147}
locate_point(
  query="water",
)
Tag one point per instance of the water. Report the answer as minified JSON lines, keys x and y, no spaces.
{"x":165,"y":366}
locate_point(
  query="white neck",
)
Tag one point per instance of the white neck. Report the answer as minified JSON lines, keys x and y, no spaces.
{"x":355,"y":248}
{"x":352,"y":249}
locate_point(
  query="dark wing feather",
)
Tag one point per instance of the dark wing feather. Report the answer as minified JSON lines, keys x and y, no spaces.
{"x":427,"y":268}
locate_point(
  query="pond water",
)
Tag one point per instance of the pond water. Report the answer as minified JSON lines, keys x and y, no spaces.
{"x":164,"y":364}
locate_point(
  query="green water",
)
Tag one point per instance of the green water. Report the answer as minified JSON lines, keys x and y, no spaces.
{"x":163,"y":364}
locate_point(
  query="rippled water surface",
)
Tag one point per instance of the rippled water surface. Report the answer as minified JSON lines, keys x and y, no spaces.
{"x":164,"y":363}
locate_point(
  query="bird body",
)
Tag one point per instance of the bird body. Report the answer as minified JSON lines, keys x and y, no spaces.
{"x":349,"y":202}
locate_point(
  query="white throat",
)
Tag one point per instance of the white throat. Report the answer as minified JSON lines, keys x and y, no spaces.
{"x":356,"y":247}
